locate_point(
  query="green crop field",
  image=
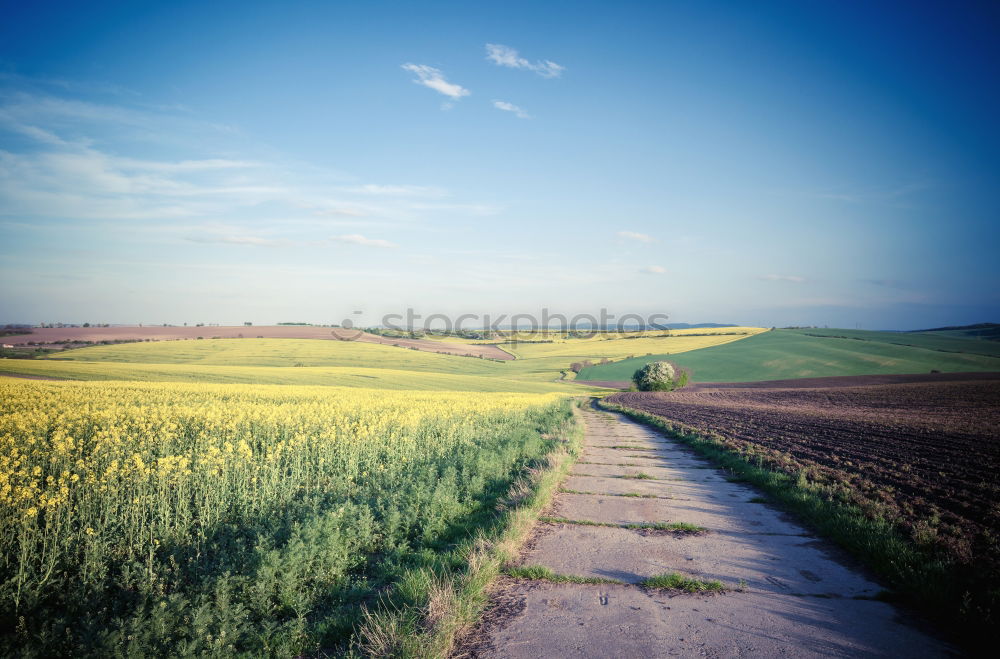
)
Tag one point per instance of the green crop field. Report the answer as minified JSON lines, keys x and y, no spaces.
{"x":785,"y":354}
{"x":943,"y":341}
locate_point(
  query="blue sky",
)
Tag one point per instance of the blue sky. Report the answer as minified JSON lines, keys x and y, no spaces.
{"x":763,"y":163}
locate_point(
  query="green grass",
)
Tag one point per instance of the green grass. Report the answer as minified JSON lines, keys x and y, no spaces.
{"x":540,"y":573}
{"x":675,"y":581}
{"x":438,"y":595}
{"x":640,"y":476}
{"x":787,"y":354}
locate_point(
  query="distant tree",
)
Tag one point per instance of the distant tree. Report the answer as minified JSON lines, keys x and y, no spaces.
{"x":659,"y":376}
{"x":86,"y":324}
{"x":248,"y":324}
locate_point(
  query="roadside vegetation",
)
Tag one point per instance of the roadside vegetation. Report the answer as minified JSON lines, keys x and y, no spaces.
{"x":675,"y":581}
{"x":180,"y":519}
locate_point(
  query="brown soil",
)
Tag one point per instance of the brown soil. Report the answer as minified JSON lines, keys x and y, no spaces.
{"x":921,"y":449}
{"x":69,"y":335}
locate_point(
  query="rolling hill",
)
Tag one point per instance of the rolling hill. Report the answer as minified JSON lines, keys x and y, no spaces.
{"x":788,"y":354}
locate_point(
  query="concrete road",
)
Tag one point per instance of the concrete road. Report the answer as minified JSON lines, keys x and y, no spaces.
{"x":788,"y":594}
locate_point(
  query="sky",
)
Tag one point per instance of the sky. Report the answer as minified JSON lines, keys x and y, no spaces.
{"x":766,"y":163}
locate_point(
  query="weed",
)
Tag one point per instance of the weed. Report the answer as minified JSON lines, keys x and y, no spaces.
{"x":675,"y":581}
{"x":540,"y":573}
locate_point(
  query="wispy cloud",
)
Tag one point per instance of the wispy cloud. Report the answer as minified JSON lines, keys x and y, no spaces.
{"x":510,"y":107}
{"x":506,"y":56}
{"x":396,"y":190}
{"x":653,"y":270}
{"x":433,"y":78}
{"x":77,"y":165}
{"x":633,"y":235}
{"x":792,"y":278}
{"x":358,"y":239}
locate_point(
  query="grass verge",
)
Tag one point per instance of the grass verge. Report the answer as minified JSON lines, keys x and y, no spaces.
{"x":540,"y":573}
{"x":919,"y":577}
{"x":675,"y":581}
{"x":445,"y":599}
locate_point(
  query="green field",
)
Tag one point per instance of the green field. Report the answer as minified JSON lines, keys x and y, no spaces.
{"x":944,"y":341}
{"x":786,"y":354}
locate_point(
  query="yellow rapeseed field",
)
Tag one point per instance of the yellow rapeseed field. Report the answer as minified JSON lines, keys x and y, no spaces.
{"x":117,"y":484}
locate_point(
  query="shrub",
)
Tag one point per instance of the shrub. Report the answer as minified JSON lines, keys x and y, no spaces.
{"x":659,"y":376}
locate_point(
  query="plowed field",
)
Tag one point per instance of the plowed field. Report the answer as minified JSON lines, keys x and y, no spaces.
{"x":923,"y":450}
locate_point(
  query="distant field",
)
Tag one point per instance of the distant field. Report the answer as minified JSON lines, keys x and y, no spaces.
{"x":618,"y":346}
{"x":351,"y":363}
{"x":374,"y":378}
{"x":282,"y":352}
{"x":944,"y":341}
{"x":70,"y":335}
{"x":982,"y":331}
{"x":786,"y":354}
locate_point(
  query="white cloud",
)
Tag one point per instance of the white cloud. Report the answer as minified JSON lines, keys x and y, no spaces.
{"x":653,"y":270}
{"x":396,"y":190}
{"x":510,"y":107}
{"x":792,"y":278}
{"x":507,"y":56}
{"x":430,"y":77}
{"x":632,"y":235}
{"x":358,"y":239}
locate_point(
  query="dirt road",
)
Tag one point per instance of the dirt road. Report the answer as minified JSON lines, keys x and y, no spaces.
{"x":788,"y":593}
